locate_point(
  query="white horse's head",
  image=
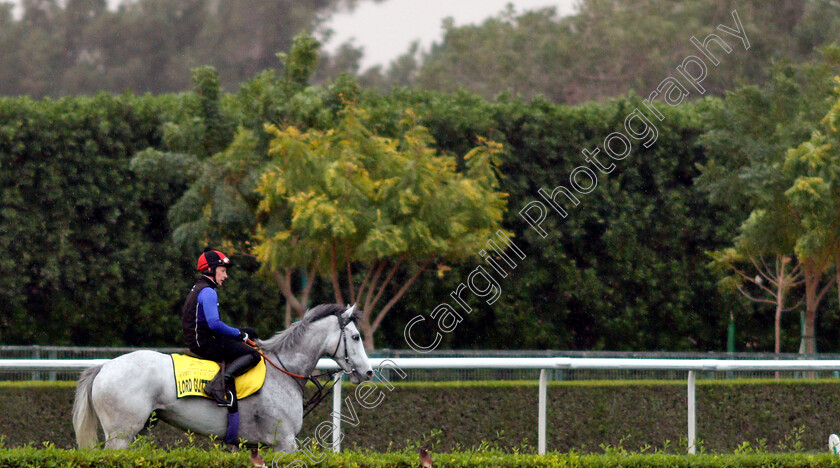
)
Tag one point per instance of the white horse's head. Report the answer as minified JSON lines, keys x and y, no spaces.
{"x":350,"y":353}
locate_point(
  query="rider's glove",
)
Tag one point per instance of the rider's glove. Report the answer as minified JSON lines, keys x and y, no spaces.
{"x":243,"y":336}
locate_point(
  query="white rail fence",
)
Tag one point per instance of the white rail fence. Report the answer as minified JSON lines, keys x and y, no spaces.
{"x":691,"y":366}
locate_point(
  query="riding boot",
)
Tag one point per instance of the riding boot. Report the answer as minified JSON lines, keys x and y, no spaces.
{"x":236,"y":367}
{"x":216,"y":389}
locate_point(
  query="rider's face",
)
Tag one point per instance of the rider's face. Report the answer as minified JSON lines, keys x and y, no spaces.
{"x":221,"y":275}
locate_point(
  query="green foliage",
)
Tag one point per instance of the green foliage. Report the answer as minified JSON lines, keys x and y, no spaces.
{"x":148,"y":457}
{"x":78,"y":228}
{"x":301,"y":62}
{"x":80,"y":47}
{"x":220,"y":205}
{"x":371,"y":197}
{"x":607,"y":276}
{"x":609,"y":48}
{"x":774,"y":190}
{"x":814,"y":167}
{"x":591,"y":262}
{"x":605,"y":49}
{"x":347,"y":197}
{"x":172,"y":174}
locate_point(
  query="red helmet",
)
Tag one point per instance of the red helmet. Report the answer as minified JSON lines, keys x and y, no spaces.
{"x":210,"y":259}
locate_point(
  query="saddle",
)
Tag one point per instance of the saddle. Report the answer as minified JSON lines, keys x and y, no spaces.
{"x":193,"y":373}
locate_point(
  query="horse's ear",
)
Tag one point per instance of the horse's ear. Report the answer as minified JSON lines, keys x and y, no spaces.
{"x":351,"y":312}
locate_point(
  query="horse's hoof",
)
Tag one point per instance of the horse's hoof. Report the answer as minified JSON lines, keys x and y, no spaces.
{"x":257,"y":459}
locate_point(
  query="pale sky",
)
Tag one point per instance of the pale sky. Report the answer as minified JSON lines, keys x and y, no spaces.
{"x":386,"y":30}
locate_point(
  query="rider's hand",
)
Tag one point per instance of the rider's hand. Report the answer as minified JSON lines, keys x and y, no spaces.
{"x":252,"y":334}
{"x":243,"y":336}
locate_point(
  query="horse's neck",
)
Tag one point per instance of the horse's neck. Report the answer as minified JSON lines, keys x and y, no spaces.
{"x":303,"y":359}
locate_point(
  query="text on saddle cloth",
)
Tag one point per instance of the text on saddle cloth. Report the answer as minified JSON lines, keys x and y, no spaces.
{"x":192,"y":374}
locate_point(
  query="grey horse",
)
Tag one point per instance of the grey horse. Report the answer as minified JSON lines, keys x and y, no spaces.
{"x":122,"y":393}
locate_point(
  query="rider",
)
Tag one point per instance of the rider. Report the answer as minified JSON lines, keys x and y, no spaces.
{"x":210,"y":338}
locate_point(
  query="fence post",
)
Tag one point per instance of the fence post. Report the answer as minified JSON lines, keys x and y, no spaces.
{"x":36,"y":354}
{"x":336,"y":414}
{"x":541,"y":412}
{"x":53,"y":374}
{"x":691,"y":413}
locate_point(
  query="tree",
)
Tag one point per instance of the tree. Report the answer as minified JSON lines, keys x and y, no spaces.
{"x":815,"y":196}
{"x":368,"y":212}
{"x":609,"y":47}
{"x":782,"y":274}
{"x":80,"y":47}
{"x":401,"y":185}
{"x":218,"y":150}
{"x":750,"y":169}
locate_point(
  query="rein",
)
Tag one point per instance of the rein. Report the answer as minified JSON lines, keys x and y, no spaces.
{"x":254,"y":345}
{"x":322,"y":391}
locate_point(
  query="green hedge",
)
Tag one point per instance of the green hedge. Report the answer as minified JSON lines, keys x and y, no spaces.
{"x":793,"y":415}
{"x":76,"y":225}
{"x":190,"y":457}
{"x":70,"y":197}
{"x":89,"y":257}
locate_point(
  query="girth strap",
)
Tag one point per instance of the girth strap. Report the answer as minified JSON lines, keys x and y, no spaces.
{"x":232,"y":435}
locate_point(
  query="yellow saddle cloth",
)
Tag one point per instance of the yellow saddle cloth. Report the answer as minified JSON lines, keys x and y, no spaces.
{"x":192,"y":374}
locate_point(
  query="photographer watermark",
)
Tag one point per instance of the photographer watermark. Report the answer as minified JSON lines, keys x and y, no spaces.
{"x":367,"y":395}
{"x":639,"y":126}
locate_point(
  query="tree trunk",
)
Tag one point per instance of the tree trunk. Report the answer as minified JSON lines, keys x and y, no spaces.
{"x":370,"y":292}
{"x":780,"y":306}
{"x":812,"y":282}
{"x":284,"y":282}
{"x":813,"y":272}
{"x":339,"y":299}
{"x":367,"y":331}
{"x":809,"y":337}
{"x":777,"y":348}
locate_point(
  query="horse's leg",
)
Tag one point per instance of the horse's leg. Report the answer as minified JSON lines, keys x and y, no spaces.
{"x":125,"y":393}
{"x":283,"y":445}
{"x":257,"y":459}
{"x":275,"y":415}
{"x":150,"y":424}
{"x":286,"y":444}
{"x":122,"y":415}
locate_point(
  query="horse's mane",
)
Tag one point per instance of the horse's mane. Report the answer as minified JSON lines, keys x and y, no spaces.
{"x":290,"y":337}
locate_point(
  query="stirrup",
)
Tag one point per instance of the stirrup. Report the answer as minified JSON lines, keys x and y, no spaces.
{"x":228,"y":402}
{"x":216,"y":390}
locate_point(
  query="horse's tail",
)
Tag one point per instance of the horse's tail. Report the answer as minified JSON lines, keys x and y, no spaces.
{"x":85,"y":421}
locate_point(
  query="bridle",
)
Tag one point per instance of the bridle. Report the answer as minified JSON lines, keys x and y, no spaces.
{"x":322,"y":390}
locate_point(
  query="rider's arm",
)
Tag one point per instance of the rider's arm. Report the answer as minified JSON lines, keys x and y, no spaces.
{"x":209,"y":301}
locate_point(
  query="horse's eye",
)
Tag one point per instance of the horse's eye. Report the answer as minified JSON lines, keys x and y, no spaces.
{"x":355,"y":337}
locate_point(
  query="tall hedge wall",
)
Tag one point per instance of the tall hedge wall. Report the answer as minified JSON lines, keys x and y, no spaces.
{"x":88,"y":257}
{"x":626,"y":269}
{"x":85,"y":255}
{"x":587,"y":417}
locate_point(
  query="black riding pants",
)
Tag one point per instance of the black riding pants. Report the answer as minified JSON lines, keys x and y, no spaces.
{"x":225,"y":348}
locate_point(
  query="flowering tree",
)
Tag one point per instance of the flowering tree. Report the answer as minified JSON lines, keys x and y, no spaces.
{"x":370,"y":214}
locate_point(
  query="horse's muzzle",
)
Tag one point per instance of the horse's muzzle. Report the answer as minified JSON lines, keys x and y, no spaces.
{"x":357,"y":377}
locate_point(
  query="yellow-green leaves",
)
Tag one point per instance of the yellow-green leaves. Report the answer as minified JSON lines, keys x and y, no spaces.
{"x":374,"y":197}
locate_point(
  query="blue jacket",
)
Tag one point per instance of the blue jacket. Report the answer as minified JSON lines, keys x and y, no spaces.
{"x":200,"y":315}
